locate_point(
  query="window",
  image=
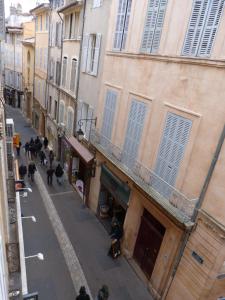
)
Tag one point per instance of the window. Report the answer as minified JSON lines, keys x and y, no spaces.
{"x":58,"y":70}
{"x":71,"y":26}
{"x":90,"y":53}
{"x":73,"y":75}
{"x":50,"y":105}
{"x":122,"y":23}
{"x":64,"y":71}
{"x":97,"y":3}
{"x":40,"y":23}
{"x":70,"y":119}
{"x":202,"y":27}
{"x":61,"y":111}
{"x":46,"y":21}
{"x":153,"y":25}
{"x":171,"y":151}
{"x":58,"y":29}
{"x":133,"y":134}
{"x":108,"y":117}
{"x":52,"y":70}
{"x":55,"y":110}
{"x":36,"y":23}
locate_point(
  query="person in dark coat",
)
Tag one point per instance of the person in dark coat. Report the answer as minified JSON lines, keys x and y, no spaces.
{"x":32,"y":150}
{"x":59,"y":173}
{"x":50,"y":173}
{"x":22,"y":171}
{"x":18,"y":146}
{"x":42,"y":157}
{"x":31,"y":170}
{"x":51,"y":157}
{"x":26,"y":147}
{"x":82,"y":294}
{"x":45,"y":143}
{"x":103,"y":293}
{"x":37,"y":140}
{"x":31,"y":141}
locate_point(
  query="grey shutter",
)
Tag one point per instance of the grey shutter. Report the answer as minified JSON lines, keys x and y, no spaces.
{"x":195,"y":27}
{"x":120,"y":23}
{"x":79,"y":113}
{"x":85,"y":52}
{"x":97,"y":53}
{"x":64,"y":71}
{"x":134,"y":131}
{"x":89,"y":124}
{"x":108,"y":117}
{"x":61,"y":112}
{"x":73,"y":74}
{"x":171,"y":151}
{"x":90,"y":50}
{"x":209,"y":32}
{"x":127,"y":18}
{"x":159,"y":25}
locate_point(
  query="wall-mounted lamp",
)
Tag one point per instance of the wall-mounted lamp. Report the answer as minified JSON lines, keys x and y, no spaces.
{"x":80,"y":133}
{"x":39,"y":256}
{"x":30,"y":217}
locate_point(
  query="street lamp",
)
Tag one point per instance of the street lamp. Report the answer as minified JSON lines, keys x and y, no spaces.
{"x":80,"y":132}
{"x":39,"y":256}
{"x":30,"y":217}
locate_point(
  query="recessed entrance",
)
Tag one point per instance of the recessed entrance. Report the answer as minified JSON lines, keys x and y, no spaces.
{"x":148,"y":243}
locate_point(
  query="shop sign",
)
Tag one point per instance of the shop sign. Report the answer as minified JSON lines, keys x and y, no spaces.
{"x":116,"y":187}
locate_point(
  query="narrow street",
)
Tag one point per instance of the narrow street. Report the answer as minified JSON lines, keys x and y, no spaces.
{"x":73,"y":241}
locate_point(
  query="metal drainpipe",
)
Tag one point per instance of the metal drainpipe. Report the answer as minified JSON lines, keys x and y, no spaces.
{"x":79,"y":65}
{"x":60,"y":64}
{"x":197,"y":207}
{"x":34,"y":84}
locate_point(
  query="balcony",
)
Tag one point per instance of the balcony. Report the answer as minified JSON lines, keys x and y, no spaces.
{"x":176,"y":203}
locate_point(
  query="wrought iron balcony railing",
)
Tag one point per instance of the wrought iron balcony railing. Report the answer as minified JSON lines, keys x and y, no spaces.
{"x":144,"y":176}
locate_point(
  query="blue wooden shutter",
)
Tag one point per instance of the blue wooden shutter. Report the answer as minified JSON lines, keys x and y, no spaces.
{"x":134,"y":131}
{"x":209,"y":32}
{"x":108,"y":117}
{"x":171,"y":151}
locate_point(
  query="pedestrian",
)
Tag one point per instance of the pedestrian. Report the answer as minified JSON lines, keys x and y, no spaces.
{"x":59,"y":173}
{"x":42,"y":157}
{"x":31,"y":170}
{"x":45,"y":142}
{"x":103,"y":293}
{"x":37,"y":140}
{"x":22,"y":171}
{"x":26,"y":147}
{"x":31,"y":141}
{"x":82,"y":294}
{"x":18,"y":146}
{"x":51,"y":157}
{"x":50,"y":173}
{"x":32,"y":150}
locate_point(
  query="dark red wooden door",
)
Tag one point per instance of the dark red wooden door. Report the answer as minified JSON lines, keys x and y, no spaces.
{"x":148,"y":243}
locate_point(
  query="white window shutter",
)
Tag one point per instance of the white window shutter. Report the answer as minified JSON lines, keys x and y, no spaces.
{"x":97,"y":54}
{"x":85,"y":52}
{"x":73,"y":75}
{"x":126,"y":24}
{"x":135,"y":126}
{"x":171,"y":151}
{"x":89,"y":53}
{"x":79,"y":113}
{"x":89,"y":125}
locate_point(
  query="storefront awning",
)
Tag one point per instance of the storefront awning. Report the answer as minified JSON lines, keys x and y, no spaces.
{"x":84,"y":153}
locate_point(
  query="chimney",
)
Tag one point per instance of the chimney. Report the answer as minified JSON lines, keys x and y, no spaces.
{"x":12,"y":10}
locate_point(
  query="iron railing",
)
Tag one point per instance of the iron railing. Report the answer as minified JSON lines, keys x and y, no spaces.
{"x":144,"y":176}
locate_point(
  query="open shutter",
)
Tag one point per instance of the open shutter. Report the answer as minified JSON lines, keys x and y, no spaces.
{"x":159,"y":25}
{"x":108,"y":117}
{"x":85,"y":52}
{"x":79,"y":113}
{"x":89,"y":123}
{"x":120,"y":23}
{"x":171,"y":151}
{"x":209,"y":32}
{"x":129,"y":2}
{"x":195,"y":27}
{"x":97,"y":53}
{"x":134,"y":131}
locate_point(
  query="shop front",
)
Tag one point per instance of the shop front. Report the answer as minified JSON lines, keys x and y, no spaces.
{"x":113,"y":198}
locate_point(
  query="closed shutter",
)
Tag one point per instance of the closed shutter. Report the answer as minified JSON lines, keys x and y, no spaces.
{"x":70,"y":120}
{"x":134,"y":131}
{"x":89,"y":123}
{"x":79,"y":112}
{"x":97,"y":53}
{"x":108,"y":117}
{"x":61,"y":112}
{"x":90,"y":51}
{"x":209,"y":32}
{"x":64,"y":71}
{"x":120,"y":24}
{"x":85,"y":52}
{"x":153,"y":25}
{"x":73,"y":74}
{"x":171,"y":151}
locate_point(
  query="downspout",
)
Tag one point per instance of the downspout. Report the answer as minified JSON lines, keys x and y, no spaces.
{"x":34,"y":84}
{"x":79,"y":65}
{"x":197,"y":207}
{"x":60,"y":65}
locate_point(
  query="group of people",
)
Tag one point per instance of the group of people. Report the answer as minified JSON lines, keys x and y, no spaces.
{"x":58,"y":173}
{"x":33,"y":147}
{"x":103,"y":294}
{"x":31,"y":170}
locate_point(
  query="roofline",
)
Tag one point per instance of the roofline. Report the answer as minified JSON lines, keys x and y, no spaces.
{"x":75,"y":3}
{"x":40,"y":7}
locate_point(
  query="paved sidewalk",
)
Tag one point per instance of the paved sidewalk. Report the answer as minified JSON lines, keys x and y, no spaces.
{"x":89,"y":239}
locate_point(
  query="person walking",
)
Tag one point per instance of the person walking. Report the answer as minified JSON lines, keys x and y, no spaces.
{"x":103,"y":293}
{"x":45,"y":142}
{"x":42,"y":157}
{"x":22,"y":171}
{"x":18,"y":146}
{"x":26,"y":147}
{"x":31,"y":170}
{"x":32,"y":150}
{"x":82,"y":294}
{"x":59,"y":173}
{"x":51,"y":157}
{"x":50,"y":173}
